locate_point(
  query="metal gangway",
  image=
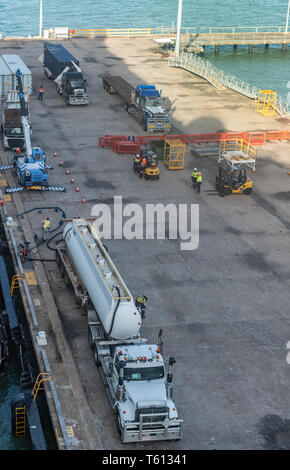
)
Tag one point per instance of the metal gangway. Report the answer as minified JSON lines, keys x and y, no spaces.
{"x":222,"y":80}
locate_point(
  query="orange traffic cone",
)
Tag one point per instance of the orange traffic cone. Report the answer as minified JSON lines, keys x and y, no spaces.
{"x":55,"y":154}
{"x":84,"y":200}
{"x":67,"y":171}
{"x":77,"y":189}
{"x":72,"y":180}
{"x":60,"y":163}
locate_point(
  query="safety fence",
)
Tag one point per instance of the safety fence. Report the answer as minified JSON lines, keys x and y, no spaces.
{"x":201,"y":31}
{"x":94,"y":33}
{"x":252,"y":137}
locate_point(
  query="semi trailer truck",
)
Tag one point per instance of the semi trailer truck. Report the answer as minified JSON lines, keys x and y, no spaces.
{"x":62,"y":67}
{"x":143,"y":103}
{"x":133,"y":371}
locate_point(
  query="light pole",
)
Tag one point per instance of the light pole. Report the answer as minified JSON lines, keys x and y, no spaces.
{"x":177,"y":44}
{"x":41,"y":18}
{"x":286,"y":30}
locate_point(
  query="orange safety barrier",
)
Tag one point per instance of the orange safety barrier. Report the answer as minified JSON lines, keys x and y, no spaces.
{"x":126,"y":147}
{"x":255,"y":138}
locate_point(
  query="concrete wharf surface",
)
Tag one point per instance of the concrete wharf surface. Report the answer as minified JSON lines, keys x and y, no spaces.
{"x":223,"y":308}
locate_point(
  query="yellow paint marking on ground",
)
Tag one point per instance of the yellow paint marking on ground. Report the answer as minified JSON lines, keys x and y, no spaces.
{"x":70,"y":431}
{"x":30,"y":278}
{"x":37,"y":302}
{"x":7,"y":197}
{"x":3,"y":183}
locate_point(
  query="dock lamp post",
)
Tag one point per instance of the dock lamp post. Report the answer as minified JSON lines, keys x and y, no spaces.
{"x":40,"y":18}
{"x":287,"y":19}
{"x":179,"y":17}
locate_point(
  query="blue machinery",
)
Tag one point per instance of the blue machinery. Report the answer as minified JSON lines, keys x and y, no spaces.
{"x":30,"y":167}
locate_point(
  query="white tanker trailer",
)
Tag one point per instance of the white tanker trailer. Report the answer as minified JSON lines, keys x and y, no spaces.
{"x":132,"y":370}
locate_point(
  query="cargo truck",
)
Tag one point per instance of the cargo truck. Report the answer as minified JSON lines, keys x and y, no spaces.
{"x":62,"y":67}
{"x":142,"y":102}
{"x":12,"y":133}
{"x":132,"y":370}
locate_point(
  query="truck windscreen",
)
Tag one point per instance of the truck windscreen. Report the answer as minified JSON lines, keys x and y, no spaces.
{"x":145,"y":373}
{"x":76,"y":83}
{"x":13,"y":131}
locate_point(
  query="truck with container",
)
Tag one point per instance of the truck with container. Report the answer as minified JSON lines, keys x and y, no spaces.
{"x":12,"y":133}
{"x":143,"y":103}
{"x":133,"y":371}
{"x":62,"y":67}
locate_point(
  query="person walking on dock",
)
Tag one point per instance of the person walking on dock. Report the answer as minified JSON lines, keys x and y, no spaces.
{"x":40,"y":93}
{"x":198,"y":182}
{"x":194,"y":175}
{"x":45,"y":228}
{"x":140,"y":303}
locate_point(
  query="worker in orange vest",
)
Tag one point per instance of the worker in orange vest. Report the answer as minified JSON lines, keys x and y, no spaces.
{"x":40,"y":93}
{"x":143,"y":165}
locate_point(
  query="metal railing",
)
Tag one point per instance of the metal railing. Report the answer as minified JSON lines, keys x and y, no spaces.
{"x":199,"y":32}
{"x":109,"y":32}
{"x":222,"y":80}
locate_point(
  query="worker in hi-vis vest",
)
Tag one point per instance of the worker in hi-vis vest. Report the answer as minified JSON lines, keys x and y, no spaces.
{"x":140,"y":303}
{"x":194,"y":176}
{"x":198,"y":182}
{"x":45,"y":228}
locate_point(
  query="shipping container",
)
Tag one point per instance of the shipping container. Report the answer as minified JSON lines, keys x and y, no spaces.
{"x":5,"y":79}
{"x":14,"y":62}
{"x":56,"y":58}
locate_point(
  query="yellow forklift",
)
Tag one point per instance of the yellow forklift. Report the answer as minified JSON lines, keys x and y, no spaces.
{"x":231,"y":177}
{"x":151,"y":171}
{"x":232,"y":180}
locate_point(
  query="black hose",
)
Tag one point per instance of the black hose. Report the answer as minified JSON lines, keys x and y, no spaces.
{"x":115,"y":311}
{"x":50,"y":239}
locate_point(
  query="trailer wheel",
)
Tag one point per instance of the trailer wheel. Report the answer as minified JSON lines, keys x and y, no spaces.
{"x":57,"y":258}
{"x":67,"y":280}
{"x":90,"y":338}
{"x":96,"y":355}
{"x":119,"y":426}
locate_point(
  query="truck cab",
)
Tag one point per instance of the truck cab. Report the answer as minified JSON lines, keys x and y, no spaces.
{"x":145,"y":409}
{"x":147,"y":101}
{"x":74,"y":88}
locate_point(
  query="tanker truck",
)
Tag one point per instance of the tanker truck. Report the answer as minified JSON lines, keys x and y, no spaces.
{"x":133,"y":371}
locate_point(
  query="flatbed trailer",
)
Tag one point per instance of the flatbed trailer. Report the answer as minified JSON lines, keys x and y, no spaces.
{"x":142,"y":103}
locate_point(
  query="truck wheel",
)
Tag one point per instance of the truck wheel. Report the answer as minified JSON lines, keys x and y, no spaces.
{"x":96,"y":355}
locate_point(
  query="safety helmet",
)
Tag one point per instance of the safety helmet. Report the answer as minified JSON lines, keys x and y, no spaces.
{"x":195,"y":169}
